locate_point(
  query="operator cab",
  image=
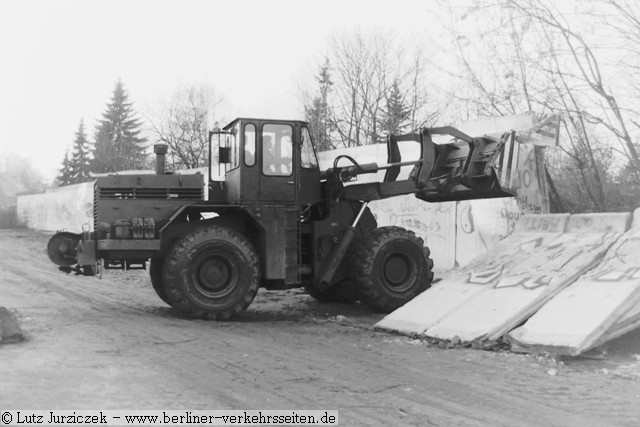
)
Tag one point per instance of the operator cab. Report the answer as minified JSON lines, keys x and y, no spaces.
{"x":259,"y":161}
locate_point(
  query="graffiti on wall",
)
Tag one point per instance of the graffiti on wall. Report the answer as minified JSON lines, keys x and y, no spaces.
{"x":618,"y":265}
{"x":433,"y":222}
{"x":530,"y":193}
{"x":405,"y":213}
{"x":538,"y":262}
{"x":481,"y":224}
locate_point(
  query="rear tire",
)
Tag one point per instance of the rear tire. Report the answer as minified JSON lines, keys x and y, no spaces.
{"x":211,"y":273}
{"x":392,"y":266}
{"x":155,"y":272}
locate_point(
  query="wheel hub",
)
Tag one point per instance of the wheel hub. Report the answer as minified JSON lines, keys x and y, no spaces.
{"x":397,"y":270}
{"x":215,"y":276}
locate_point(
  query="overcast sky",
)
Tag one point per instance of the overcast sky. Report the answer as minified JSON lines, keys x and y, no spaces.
{"x":60,"y":59}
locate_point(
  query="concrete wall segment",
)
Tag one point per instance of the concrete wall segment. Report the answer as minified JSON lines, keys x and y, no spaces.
{"x":600,"y":305}
{"x":575,"y":319}
{"x":607,"y":222}
{"x":496,"y":125}
{"x":481,"y":224}
{"x":635,"y":221}
{"x":500,"y":290}
{"x":529,"y":278}
{"x":626,"y":323}
{"x":543,"y":223}
{"x":61,"y":208}
{"x":508,"y":264}
{"x":435,"y":223}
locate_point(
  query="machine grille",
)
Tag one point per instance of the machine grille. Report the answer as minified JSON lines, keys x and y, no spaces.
{"x":151,"y":193}
{"x":95,"y":207}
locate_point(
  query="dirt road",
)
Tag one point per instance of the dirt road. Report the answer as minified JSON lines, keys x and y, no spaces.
{"x":112,"y":344}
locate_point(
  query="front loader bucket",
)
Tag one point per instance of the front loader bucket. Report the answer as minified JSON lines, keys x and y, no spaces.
{"x":474,"y":168}
{"x":467,"y":168}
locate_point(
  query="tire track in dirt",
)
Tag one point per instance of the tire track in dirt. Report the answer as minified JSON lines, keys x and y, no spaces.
{"x":207,"y":357}
{"x":270,"y":358}
{"x":88,"y":290}
{"x":109,"y":297}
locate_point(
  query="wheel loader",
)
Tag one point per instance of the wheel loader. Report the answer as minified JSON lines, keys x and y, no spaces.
{"x":269,"y":216}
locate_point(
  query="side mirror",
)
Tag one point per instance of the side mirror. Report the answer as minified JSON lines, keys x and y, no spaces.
{"x":224,"y":154}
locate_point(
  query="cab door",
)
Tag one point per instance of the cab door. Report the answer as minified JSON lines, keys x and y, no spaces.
{"x":309,"y":170}
{"x":277,"y":178}
{"x":251,"y":170}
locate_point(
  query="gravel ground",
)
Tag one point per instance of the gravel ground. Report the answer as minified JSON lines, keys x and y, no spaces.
{"x":111,"y":343}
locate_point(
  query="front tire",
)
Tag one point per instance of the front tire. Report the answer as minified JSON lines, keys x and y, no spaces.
{"x":392,"y":266}
{"x":211,"y":273}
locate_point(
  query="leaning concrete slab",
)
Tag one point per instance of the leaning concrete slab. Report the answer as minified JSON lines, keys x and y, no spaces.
{"x":601,"y":305}
{"x":525,"y":285}
{"x":628,"y":322}
{"x":533,"y":234}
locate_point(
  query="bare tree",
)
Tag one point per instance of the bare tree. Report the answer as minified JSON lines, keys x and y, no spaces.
{"x":316,"y":109}
{"x":423,"y":111}
{"x":364,"y":69}
{"x":583,"y":153}
{"x":494,"y":56}
{"x":358,"y":66}
{"x":525,"y":55}
{"x":585,"y":69}
{"x":183,"y":124}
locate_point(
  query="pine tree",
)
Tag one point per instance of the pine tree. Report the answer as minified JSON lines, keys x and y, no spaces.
{"x":80,"y":162}
{"x":397,"y":114}
{"x":66,"y":172}
{"x":317,"y":112}
{"x":118,"y":144}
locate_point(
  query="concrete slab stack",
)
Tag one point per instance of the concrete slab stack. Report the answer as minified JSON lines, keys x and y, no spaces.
{"x":599,"y":306}
{"x":502,"y":289}
{"x":532,"y":234}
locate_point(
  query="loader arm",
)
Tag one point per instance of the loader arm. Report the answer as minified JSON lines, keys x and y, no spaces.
{"x":466,"y":168}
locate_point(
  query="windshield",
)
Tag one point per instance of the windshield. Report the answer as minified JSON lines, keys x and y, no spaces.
{"x":277,"y":150}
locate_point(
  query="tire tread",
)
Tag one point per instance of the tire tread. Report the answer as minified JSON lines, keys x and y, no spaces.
{"x":372,"y":291}
{"x":176,"y":266}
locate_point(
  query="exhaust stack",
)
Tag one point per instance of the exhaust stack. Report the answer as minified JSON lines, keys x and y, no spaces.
{"x":160,"y":150}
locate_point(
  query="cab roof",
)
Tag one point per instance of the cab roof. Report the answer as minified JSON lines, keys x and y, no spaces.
{"x":253,"y":119}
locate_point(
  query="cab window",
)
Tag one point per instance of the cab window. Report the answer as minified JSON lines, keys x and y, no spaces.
{"x":308,"y":158}
{"x":277,"y":150}
{"x":220,"y":146}
{"x":232,"y":141}
{"x":250,"y":145}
